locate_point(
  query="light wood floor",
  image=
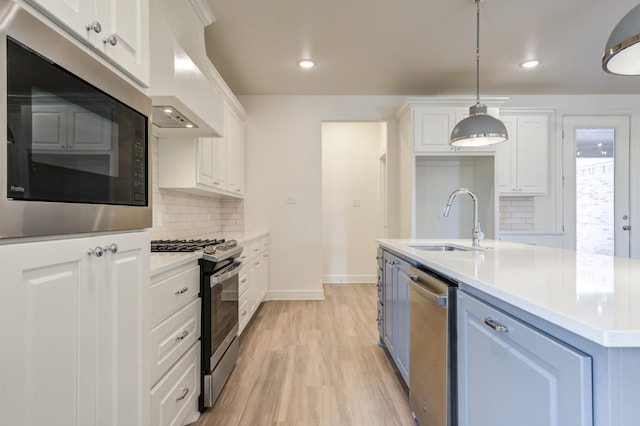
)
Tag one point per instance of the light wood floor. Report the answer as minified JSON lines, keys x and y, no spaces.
{"x":313,"y":363}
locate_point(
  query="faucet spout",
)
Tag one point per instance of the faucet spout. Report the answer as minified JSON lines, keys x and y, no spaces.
{"x":477,"y":234}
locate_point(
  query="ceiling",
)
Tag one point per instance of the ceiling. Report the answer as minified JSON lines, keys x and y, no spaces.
{"x":414,"y":47}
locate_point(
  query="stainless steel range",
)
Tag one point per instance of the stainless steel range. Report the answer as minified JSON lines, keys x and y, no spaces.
{"x":219,"y":269}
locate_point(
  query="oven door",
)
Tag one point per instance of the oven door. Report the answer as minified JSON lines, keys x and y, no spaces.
{"x":224,"y":310}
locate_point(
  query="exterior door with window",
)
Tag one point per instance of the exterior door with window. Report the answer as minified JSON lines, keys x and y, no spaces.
{"x":596,"y":184}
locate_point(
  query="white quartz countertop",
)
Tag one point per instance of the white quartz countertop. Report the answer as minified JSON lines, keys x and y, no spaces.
{"x":594,"y":296}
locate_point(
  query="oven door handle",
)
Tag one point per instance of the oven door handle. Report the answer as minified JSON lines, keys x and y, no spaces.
{"x":218,"y":279}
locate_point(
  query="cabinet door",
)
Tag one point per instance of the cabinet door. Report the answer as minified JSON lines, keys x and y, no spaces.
{"x":432,"y":129}
{"x":73,"y":14}
{"x":401,"y":320}
{"x":506,"y":153}
{"x":532,"y":154}
{"x":205,"y":168}
{"x":47,"y":318}
{"x":517,"y":375}
{"x":126,"y":23}
{"x":221,"y":162}
{"x":122,"y":292}
{"x":388,"y":308}
{"x":235,"y":138}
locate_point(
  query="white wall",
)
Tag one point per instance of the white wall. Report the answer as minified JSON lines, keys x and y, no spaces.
{"x":350,"y":200}
{"x":284,"y":158}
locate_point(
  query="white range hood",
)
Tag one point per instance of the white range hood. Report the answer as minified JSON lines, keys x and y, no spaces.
{"x":185,"y":101}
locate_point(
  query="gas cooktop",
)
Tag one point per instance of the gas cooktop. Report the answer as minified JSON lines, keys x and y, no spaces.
{"x":213,"y":250}
{"x":182,"y":246}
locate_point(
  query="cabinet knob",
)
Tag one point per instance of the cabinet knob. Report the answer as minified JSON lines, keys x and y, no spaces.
{"x":94,"y":26}
{"x":244,"y":313}
{"x":113,"y":248}
{"x":183,"y":395}
{"x":97,"y":252}
{"x":626,"y":228}
{"x":182,"y":290}
{"x":111,"y":39}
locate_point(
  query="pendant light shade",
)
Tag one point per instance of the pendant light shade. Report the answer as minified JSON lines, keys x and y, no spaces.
{"x":479,"y":128}
{"x":622,"y":51}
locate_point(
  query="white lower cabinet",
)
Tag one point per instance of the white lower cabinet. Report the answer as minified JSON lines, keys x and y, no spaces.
{"x":509,"y":373}
{"x":254,"y":279}
{"x":177,"y":392}
{"x":174,"y":358}
{"x":77,"y":327}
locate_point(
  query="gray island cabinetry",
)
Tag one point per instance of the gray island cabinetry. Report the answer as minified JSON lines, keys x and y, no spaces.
{"x":510,"y":373}
{"x":544,"y":336}
{"x":395,"y":330}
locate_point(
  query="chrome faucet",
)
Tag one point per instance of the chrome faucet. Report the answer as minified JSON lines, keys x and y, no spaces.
{"x":477,"y":234}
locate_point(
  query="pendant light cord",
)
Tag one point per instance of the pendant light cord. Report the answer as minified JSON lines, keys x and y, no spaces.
{"x":477,"y":52}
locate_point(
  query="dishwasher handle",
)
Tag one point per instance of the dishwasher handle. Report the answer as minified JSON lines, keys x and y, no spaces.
{"x":439,"y":299}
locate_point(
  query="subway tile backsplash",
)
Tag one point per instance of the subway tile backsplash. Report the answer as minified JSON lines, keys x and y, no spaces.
{"x":178,"y":214}
{"x":517,"y":214}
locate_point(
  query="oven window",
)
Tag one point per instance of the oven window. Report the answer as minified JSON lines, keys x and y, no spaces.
{"x":224,"y":311}
{"x":67,"y":140}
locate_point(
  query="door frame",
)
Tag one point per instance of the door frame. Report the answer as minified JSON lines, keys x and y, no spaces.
{"x":622,"y":126}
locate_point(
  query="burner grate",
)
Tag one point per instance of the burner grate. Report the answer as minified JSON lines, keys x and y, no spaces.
{"x":182,"y":246}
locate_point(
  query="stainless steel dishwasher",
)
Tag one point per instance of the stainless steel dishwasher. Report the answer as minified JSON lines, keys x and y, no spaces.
{"x":432,"y":348}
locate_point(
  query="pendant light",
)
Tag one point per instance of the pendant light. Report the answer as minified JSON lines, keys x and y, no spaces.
{"x":622,"y":51}
{"x":479,"y":128}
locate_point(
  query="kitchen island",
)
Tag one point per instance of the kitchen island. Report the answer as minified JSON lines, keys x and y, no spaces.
{"x":583,"y":311}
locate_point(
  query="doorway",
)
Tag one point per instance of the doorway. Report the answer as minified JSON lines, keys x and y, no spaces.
{"x":596,"y":184}
{"x":353,"y":168}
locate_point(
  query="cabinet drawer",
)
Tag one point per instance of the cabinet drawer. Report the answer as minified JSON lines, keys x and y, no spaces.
{"x":171,"y":338}
{"x":243,"y":285}
{"x":254,"y":249}
{"x":243,"y":314}
{"x":173,"y":396}
{"x":170,"y":293}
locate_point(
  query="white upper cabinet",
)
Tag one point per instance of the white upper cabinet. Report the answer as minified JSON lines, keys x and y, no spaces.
{"x":117,"y":29}
{"x":235,"y":146}
{"x":432,"y":126}
{"x":521,"y":162}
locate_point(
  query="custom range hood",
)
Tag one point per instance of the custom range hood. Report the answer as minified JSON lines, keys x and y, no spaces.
{"x":185,"y":102}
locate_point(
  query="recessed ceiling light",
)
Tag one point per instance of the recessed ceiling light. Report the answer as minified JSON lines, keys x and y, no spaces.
{"x":306,"y":63}
{"x":531,"y":63}
{"x":168,"y":110}
{"x":189,"y":125}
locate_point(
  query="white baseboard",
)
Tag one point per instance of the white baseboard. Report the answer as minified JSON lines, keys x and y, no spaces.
{"x":349,"y":279}
{"x":295,"y":295}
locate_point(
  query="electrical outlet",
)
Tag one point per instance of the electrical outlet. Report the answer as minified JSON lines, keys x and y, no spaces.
{"x":291,"y":200}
